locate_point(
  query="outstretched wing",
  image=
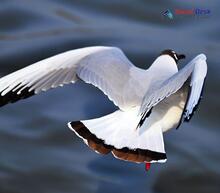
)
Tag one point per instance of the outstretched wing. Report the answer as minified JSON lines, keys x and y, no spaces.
{"x":105,"y":67}
{"x":197,"y":70}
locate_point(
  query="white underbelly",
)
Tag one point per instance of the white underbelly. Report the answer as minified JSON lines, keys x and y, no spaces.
{"x":167,"y":113}
{"x":170,"y":110}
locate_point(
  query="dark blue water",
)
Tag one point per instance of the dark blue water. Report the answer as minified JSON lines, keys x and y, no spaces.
{"x":38,"y":153}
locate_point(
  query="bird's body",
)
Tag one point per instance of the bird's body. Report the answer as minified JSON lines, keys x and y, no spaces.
{"x":150,"y":101}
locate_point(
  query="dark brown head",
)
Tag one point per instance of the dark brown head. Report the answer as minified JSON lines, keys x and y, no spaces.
{"x":173,"y":54}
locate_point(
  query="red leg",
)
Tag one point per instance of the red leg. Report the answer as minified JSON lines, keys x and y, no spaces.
{"x":147,"y":166}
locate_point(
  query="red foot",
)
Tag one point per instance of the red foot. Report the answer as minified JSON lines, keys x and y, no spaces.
{"x":147,"y":166}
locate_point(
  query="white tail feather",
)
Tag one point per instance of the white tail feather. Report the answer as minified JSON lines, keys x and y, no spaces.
{"x":118,"y":129}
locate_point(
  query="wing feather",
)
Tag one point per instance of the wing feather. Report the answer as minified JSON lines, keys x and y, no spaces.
{"x":196,"y":69}
{"x":105,"y":67}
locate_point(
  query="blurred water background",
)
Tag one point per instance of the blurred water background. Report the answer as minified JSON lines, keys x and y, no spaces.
{"x":38,"y":153}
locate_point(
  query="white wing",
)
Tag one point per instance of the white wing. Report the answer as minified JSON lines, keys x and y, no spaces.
{"x":196,"y":69}
{"x":105,"y":67}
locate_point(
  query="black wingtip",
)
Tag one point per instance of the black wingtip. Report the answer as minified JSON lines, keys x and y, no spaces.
{"x":12,"y":96}
{"x":143,"y":118}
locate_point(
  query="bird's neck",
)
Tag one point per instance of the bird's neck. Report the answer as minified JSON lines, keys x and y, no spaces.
{"x":164,"y":66}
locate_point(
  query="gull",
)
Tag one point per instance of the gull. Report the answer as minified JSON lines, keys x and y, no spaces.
{"x":150,"y":101}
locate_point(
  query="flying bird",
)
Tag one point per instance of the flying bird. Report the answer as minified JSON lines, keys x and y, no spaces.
{"x":150,"y":101}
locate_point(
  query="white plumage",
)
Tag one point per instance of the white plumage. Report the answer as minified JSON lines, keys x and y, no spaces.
{"x":150,"y":101}
{"x":197,"y":68}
